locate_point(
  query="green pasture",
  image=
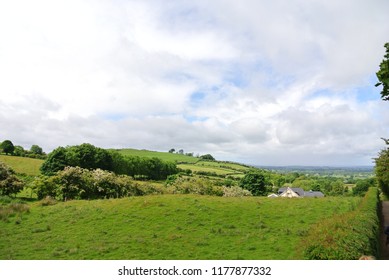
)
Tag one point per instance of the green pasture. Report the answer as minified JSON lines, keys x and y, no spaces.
{"x":164,"y":227}
{"x":23,"y":165}
{"x":162,"y":155}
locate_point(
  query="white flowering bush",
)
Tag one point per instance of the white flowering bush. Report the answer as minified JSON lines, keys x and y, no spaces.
{"x":235,"y":191}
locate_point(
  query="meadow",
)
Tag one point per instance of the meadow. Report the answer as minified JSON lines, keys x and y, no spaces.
{"x":162,"y":155}
{"x":23,"y":165}
{"x":165,"y":227}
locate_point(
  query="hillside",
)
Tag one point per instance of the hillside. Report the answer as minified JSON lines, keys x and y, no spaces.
{"x":23,"y":165}
{"x":162,"y":155}
{"x":192,"y":163}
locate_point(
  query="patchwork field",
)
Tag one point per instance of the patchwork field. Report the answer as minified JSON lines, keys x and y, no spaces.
{"x":162,"y":155}
{"x":164,"y":227}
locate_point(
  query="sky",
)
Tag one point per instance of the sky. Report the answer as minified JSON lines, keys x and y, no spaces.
{"x":281,"y":82}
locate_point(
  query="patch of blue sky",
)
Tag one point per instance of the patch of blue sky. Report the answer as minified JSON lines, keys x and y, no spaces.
{"x":272,"y":78}
{"x":236,"y":77}
{"x":368,"y":92}
{"x":192,"y":119}
{"x":178,"y":77}
{"x":197,"y":97}
{"x":113,"y":116}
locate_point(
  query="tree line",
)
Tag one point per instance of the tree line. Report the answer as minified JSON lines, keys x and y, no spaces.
{"x":90,"y":157}
{"x":9,"y":148}
{"x":382,"y":161}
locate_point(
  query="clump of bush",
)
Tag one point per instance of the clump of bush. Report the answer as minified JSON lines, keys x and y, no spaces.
{"x":235,"y":191}
{"x":79,"y":183}
{"x":346,"y":236}
{"x":194,"y":185}
{"x":9,"y":183}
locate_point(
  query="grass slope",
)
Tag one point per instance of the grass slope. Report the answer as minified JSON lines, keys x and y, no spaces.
{"x":166,"y":227}
{"x":162,"y":155}
{"x":192,"y":163}
{"x":23,"y":165}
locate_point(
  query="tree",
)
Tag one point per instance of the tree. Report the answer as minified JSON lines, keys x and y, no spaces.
{"x":382,"y":170}
{"x":383,"y":75}
{"x":9,"y":183}
{"x":19,"y":151}
{"x":8,"y":147}
{"x":35,"y":149}
{"x":172,"y":150}
{"x":207,"y":157}
{"x":254,"y":181}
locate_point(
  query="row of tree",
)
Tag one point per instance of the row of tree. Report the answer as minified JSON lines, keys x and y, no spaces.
{"x":90,"y":157}
{"x":9,"y":148}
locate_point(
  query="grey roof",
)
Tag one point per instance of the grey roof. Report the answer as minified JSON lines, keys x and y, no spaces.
{"x":299,"y":191}
{"x":303,"y":193}
{"x":313,"y":194}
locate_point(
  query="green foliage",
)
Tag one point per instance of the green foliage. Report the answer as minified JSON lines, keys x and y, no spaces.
{"x":9,"y":183}
{"x":207,"y":157}
{"x":383,"y":75}
{"x":194,"y":185}
{"x":254,"y":182}
{"x":90,"y":157}
{"x":382,"y":170}
{"x":8,"y":147}
{"x":347,"y":236}
{"x":235,"y":191}
{"x":362,"y":186}
{"x":35,"y":149}
{"x":80,"y":183}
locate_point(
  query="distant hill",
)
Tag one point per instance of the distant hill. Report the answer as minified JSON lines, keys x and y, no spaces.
{"x":178,"y":158}
{"x":216,"y":168}
{"x":23,"y":165}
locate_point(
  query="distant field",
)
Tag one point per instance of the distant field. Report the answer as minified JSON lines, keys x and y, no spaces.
{"x":166,"y":227}
{"x":28,"y":166}
{"x":162,"y":155}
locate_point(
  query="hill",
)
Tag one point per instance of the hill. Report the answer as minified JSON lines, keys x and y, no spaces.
{"x":23,"y":165}
{"x":196,"y":165}
{"x":178,"y":158}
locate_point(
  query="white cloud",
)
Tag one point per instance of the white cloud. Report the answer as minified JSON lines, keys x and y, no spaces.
{"x":264,"y":82}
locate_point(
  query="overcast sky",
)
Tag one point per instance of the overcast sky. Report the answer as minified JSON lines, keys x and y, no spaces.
{"x":281,"y":82}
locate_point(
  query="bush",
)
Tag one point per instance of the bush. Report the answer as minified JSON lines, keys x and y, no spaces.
{"x":185,"y":185}
{"x":9,"y":183}
{"x":80,"y":183}
{"x":347,"y":236}
{"x":235,"y":191}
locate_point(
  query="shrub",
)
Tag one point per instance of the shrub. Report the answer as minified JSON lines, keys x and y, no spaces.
{"x":235,"y":191}
{"x":347,"y":236}
{"x":185,"y":185}
{"x":9,"y":183}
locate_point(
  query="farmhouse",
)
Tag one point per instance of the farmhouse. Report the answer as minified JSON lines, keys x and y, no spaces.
{"x":298,"y":192}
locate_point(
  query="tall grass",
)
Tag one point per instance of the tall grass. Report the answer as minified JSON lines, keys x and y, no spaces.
{"x":346,"y":236}
{"x":166,"y":227}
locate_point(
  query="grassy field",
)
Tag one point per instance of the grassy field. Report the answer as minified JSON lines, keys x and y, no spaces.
{"x":162,"y":155}
{"x":23,"y":165}
{"x":165,"y":227}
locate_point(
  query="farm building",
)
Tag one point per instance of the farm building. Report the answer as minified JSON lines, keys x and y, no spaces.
{"x":298,"y":192}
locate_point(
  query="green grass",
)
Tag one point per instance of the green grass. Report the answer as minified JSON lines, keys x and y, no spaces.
{"x":166,"y":227}
{"x":162,"y":155}
{"x":23,"y":165}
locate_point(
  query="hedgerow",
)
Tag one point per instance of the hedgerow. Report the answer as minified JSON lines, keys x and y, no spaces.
{"x":346,"y":236}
